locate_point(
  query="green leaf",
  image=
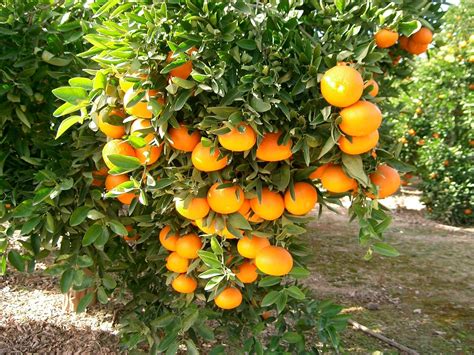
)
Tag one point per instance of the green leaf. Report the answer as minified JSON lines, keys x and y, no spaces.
{"x":118,"y":228}
{"x":108,"y":5}
{"x":67,"y":123}
{"x":66,"y":280}
{"x":185,"y":84}
{"x":268,"y":281}
{"x":340,"y":5}
{"x":299,"y":272}
{"x":248,"y":44}
{"x":183,"y":96}
{"x":330,"y":142}
{"x":270,"y":298}
{"x":281,"y":301}
{"x":16,"y":260}
{"x":191,"y":347}
{"x":41,"y":195}
{"x":259,"y":105}
{"x":84,"y":83}
{"x":102,"y":295}
{"x":355,"y":168}
{"x":79,"y":215}
{"x":73,"y":95}
{"x":295,"y":292}
{"x":124,"y":161}
{"x":238,"y":221}
{"x":209,"y":259}
{"x":24,"y":209}
{"x":92,"y":234}
{"x":29,"y":225}
{"x":190,"y":319}
{"x":409,"y":28}
{"x":84,"y":261}
{"x":84,"y":302}
{"x":163,"y":321}
{"x":216,"y":247}
{"x":21,"y":115}
{"x":100,"y":81}
{"x":385,"y":249}
{"x":109,"y":282}
{"x":292,"y":337}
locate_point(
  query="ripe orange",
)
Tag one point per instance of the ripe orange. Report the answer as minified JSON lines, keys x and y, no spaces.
{"x":149,"y":154}
{"x":197,"y":208}
{"x":421,"y":142}
{"x":184,"y":284}
{"x":436,"y":135}
{"x":111,"y":181}
{"x":247,"y":272}
{"x":110,"y":130}
{"x":423,"y":36}
{"x":142,"y":128}
{"x":267,"y":314}
{"x":386,"y":179}
{"x":411,"y":132}
{"x":360,"y":144}
{"x":403,"y":42}
{"x":116,"y":146}
{"x":212,"y":229}
{"x":229,"y":298}
{"x":98,"y":176}
{"x":319,"y":172}
{"x":416,"y":48}
{"x":360,"y":119}
{"x":342,"y":86}
{"x":305,"y":199}
{"x":467,"y":211}
{"x":270,"y":207}
{"x":177,"y":263}
{"x":225,"y":200}
{"x":203,"y":160}
{"x":181,"y":139}
{"x":245,"y":208}
{"x":140,"y":109}
{"x":334,"y":179}
{"x":183,"y":71}
{"x":385,"y":38}
{"x":270,"y":150}
{"x":167,"y":239}
{"x":375,"y":87}
{"x":274,"y":261}
{"x":130,"y":238}
{"x":249,"y":247}
{"x":239,"y":139}
{"x":188,"y":246}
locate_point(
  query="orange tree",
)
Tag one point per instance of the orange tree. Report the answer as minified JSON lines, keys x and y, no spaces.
{"x":215,"y":128}
{"x":436,"y":132}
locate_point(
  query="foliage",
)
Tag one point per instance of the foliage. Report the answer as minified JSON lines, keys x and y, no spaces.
{"x":258,"y":63}
{"x":436,"y":130}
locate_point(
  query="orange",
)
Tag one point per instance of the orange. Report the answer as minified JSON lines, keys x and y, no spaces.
{"x":184,"y":284}
{"x":360,"y":144}
{"x":467,"y":211}
{"x":334,"y":179}
{"x":128,"y":237}
{"x":197,"y":208}
{"x":423,"y":36}
{"x":305,"y":199}
{"x":416,"y":48}
{"x":360,"y":119}
{"x":386,"y":179}
{"x":271,"y":205}
{"x":142,"y":128}
{"x":248,"y":247}
{"x":167,"y":239}
{"x":254,"y":218}
{"x":342,"y":86}
{"x":411,"y":132}
{"x":181,"y":139}
{"x":385,"y":38}
{"x":403,"y":42}
{"x":211,"y":229}
{"x":319,"y":172}
{"x":229,"y":298}
{"x":274,"y":261}
{"x":225,"y":200}
{"x":375,"y":87}
{"x":149,"y":154}
{"x":247,"y":272}
{"x":98,"y":176}
{"x":270,"y":150}
{"x":110,"y":130}
{"x":116,"y":146}
{"x":267,"y":314}
{"x":245,"y":208}
{"x":177,"y":263}
{"x":239,"y":139}
{"x":188,"y":246}
{"x":140,"y":109}
{"x":204,"y":160}
{"x":183,"y":71}
{"x":112,"y":181}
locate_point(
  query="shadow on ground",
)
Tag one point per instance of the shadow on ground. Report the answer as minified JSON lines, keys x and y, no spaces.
{"x":423,"y":299}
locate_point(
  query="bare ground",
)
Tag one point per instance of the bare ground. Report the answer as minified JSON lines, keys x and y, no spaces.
{"x":423,"y":299}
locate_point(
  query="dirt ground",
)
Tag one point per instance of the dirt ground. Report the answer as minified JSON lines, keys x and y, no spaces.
{"x":423,"y":299}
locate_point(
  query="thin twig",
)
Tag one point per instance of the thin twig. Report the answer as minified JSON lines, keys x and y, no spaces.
{"x":383,"y":338}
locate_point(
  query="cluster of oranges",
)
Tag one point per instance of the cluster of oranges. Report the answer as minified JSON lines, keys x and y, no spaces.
{"x":416,"y":44}
{"x":341,"y":86}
